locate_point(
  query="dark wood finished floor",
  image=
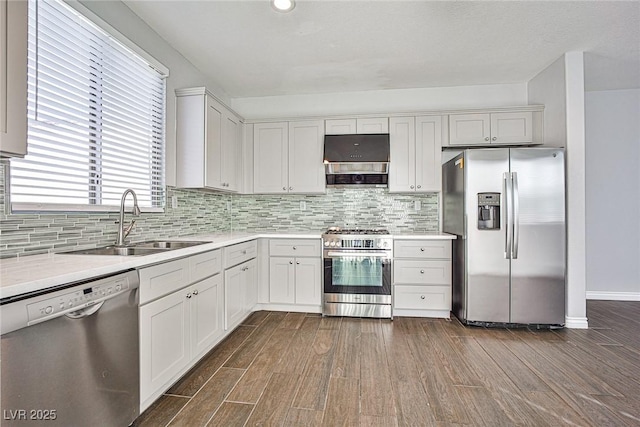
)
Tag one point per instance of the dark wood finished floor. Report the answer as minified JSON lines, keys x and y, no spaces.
{"x":293,"y":369}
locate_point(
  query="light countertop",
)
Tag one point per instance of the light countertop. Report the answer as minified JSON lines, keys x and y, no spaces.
{"x":36,"y":272}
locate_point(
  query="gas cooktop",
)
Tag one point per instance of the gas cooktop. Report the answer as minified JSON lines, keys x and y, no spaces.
{"x":360,"y":231}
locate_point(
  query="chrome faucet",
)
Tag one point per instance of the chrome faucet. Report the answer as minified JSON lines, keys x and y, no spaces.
{"x":122,"y":231}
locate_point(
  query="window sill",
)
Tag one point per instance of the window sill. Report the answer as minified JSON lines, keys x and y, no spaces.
{"x":44,"y":208}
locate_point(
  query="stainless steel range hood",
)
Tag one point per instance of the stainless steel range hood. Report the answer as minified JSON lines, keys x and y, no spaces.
{"x":356,"y":159}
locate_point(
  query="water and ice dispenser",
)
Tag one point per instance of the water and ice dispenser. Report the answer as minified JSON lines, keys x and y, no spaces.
{"x":488,"y":211}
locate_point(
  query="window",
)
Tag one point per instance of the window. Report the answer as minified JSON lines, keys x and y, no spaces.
{"x":95,"y":117}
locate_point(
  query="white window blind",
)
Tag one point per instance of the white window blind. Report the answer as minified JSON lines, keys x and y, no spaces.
{"x":95,"y":118}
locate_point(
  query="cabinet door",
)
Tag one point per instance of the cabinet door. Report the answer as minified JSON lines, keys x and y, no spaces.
{"x":206,"y":314}
{"x":234,"y":296}
{"x":372,"y":125}
{"x":213,"y":145}
{"x":271,"y":162}
{"x":402,"y":155}
{"x":164,"y":341}
{"x":306,"y":170}
{"x":469,"y":129}
{"x":308,"y":283}
{"x":13,"y":78}
{"x":230,"y":152}
{"x":281,"y":280}
{"x":512,"y":128}
{"x":428,"y":153}
{"x":340,"y":126}
{"x":250,"y":284}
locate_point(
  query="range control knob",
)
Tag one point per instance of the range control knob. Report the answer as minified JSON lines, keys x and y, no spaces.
{"x":48,"y":310}
{"x":326,"y":243}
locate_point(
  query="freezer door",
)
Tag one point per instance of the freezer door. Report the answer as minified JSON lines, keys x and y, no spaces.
{"x":538,"y":264}
{"x":487,"y":285}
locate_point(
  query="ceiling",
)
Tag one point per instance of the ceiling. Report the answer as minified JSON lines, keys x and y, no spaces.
{"x":339,"y":46}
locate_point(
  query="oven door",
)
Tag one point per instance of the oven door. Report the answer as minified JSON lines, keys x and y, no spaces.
{"x":357,"y":272}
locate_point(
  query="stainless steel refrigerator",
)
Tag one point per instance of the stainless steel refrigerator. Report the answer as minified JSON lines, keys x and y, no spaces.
{"x":507,"y":207}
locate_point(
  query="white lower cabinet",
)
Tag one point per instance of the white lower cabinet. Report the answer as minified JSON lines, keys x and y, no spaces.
{"x":175,"y":330}
{"x":295,"y":280}
{"x":240,"y":292}
{"x":295,"y":272}
{"x":422,"y":278}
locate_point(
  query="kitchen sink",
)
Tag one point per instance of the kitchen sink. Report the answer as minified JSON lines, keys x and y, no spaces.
{"x":166,"y":244}
{"x":142,"y":248}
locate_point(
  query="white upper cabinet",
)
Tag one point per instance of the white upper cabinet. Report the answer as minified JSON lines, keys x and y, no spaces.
{"x":351,"y":126}
{"x":208,"y":139}
{"x":13,"y":78}
{"x":510,"y":128}
{"x":288,"y":157}
{"x":416,"y":144}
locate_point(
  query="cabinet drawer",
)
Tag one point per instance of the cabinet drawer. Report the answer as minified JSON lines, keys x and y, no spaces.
{"x":204,"y":265}
{"x":295,"y":247}
{"x":236,"y":254}
{"x":162,"y":279}
{"x":422,"y":272}
{"x":422,"y":297}
{"x":423,"y":249}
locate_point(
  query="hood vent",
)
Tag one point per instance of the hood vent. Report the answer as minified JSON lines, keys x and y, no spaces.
{"x":356,"y":159}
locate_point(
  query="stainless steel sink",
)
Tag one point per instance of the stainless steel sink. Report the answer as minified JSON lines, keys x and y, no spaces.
{"x":115,"y":250}
{"x":142,"y":248}
{"x":167,"y":244}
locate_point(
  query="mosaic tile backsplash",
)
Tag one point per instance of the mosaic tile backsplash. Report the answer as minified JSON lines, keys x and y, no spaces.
{"x":202,"y":212}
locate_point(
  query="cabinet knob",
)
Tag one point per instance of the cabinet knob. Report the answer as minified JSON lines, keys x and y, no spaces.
{"x":244,"y":252}
{"x":298,"y":262}
{"x":294,"y":248}
{"x":291,"y":262}
{"x":411,"y":186}
{"x":195,"y":292}
{"x":419,"y":186}
{"x":421,"y":296}
{"x":188,"y":296}
{"x":486,"y":139}
{"x":284,"y":188}
{"x":421,"y":271}
{"x":494,"y":138}
{"x":290,"y":188}
{"x":421,"y":249}
{"x":245,"y":268}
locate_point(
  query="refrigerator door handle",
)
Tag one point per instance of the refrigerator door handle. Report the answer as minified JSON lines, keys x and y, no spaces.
{"x":516,"y":215}
{"x":506,"y":190}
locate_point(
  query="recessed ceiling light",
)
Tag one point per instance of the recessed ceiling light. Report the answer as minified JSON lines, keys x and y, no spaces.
{"x":283,"y":5}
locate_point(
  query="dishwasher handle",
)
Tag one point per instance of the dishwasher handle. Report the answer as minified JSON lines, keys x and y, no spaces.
{"x":85,"y":312}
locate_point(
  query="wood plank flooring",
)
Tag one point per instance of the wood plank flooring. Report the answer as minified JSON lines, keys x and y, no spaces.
{"x":292,"y":369}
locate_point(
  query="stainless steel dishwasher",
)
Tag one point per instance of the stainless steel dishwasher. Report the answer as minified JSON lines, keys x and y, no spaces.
{"x":69,"y":354}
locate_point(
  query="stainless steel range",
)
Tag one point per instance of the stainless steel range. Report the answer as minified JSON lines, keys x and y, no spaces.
{"x":357,"y":272}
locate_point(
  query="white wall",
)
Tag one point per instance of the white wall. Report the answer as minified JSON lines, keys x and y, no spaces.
{"x":181,"y":72}
{"x":381,"y":101}
{"x":548,"y":89}
{"x":613,"y":194}
{"x":560,"y":88}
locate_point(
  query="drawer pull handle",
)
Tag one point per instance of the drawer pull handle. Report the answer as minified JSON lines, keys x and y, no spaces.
{"x":422,"y":296}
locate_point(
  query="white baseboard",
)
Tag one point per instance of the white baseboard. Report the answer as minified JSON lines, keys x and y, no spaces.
{"x":576,"y":322}
{"x":614,"y":296}
{"x":443,"y":314}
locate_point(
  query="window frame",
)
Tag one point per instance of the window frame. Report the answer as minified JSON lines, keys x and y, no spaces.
{"x":35,"y":207}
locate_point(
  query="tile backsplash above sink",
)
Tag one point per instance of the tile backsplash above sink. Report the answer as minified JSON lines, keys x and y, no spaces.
{"x":202,"y":213}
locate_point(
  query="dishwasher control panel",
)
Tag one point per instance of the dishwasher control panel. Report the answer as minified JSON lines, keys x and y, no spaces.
{"x":75,"y":300}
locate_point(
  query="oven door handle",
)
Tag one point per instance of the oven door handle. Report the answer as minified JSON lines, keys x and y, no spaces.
{"x":335,"y":254}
